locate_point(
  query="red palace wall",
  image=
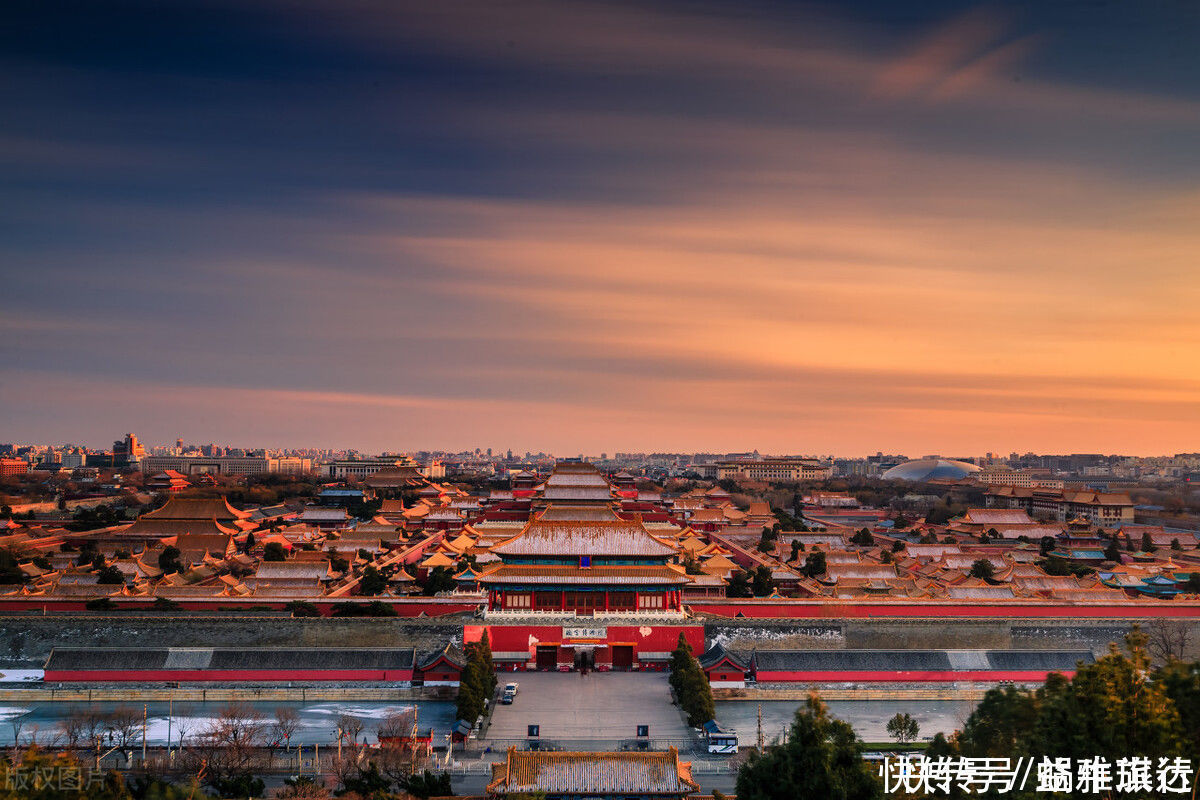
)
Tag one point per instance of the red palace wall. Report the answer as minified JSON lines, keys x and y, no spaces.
{"x":643,"y":639}
{"x":932,"y":676}
{"x":404,"y":607}
{"x":201,"y":676}
{"x":799,"y":609}
{"x":818,"y":609}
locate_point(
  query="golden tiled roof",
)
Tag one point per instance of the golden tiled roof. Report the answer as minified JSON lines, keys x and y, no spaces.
{"x":196,"y":508}
{"x":527,"y":771}
{"x":590,"y":538}
{"x":584,"y":576}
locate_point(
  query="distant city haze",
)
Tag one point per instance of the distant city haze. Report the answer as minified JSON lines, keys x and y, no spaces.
{"x":580,"y":227}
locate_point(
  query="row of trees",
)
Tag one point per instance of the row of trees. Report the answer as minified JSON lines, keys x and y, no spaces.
{"x":1118,"y":707}
{"x":690,"y":684}
{"x":477,"y":683}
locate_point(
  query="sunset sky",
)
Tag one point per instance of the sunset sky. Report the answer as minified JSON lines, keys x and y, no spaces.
{"x":574,"y":226}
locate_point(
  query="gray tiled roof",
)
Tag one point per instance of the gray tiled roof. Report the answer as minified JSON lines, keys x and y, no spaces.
{"x":275,"y":658}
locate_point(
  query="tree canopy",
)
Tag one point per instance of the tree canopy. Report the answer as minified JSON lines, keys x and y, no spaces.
{"x":690,"y":684}
{"x":822,"y":757}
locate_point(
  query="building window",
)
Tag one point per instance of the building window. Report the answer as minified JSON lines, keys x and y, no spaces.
{"x":621,"y":601}
{"x":516,"y":601}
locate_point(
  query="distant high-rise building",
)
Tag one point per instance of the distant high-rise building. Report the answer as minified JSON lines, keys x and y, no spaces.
{"x":13,"y":466}
{"x":128,"y":451}
{"x":73,"y":459}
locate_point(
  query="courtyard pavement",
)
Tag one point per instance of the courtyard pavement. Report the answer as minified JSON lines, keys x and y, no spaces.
{"x":570,"y":707}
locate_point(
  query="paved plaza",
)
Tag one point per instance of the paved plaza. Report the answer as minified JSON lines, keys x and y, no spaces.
{"x":570,"y":707}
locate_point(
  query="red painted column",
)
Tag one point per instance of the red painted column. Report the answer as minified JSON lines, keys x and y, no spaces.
{"x":562,"y":600}
{"x":606,"y":600}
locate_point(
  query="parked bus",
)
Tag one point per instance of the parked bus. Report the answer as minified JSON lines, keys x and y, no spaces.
{"x":720,"y":741}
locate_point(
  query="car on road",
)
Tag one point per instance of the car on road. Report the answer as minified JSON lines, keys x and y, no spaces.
{"x":510,"y":691}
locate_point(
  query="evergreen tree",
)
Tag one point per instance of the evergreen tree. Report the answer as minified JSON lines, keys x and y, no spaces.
{"x":478,"y":681}
{"x":982,"y":568}
{"x":372,"y":582}
{"x":274,"y":552}
{"x":1112,"y":709}
{"x":739,"y":585}
{"x":368,"y":783}
{"x":1181,"y":682}
{"x":690,"y":684}
{"x":168,"y":560}
{"x":697,"y":695}
{"x":993,"y":728}
{"x":427,"y":784}
{"x":761,"y":582}
{"x":814,"y":565}
{"x":437,"y":581}
{"x":471,"y":700}
{"x":678,"y":663}
{"x":863,"y":537}
{"x":822,"y":758}
{"x":483,"y":650}
{"x":1112,"y":552}
{"x":110,"y":576}
{"x":941,"y":747}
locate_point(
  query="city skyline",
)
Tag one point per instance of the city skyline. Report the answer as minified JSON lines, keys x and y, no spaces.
{"x":604,"y":226}
{"x":518,"y":453}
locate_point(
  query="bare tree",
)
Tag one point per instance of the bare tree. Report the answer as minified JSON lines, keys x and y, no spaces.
{"x":74,"y":728}
{"x":349,"y":728}
{"x":1169,"y":639}
{"x":227,"y":747}
{"x":52,"y":740}
{"x":17,"y":724}
{"x":302,"y":788}
{"x":398,"y":723}
{"x":396,"y":763}
{"x":93,"y":725}
{"x":350,"y":765}
{"x":287,"y":722}
{"x":124,"y":724}
{"x":183,"y":724}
